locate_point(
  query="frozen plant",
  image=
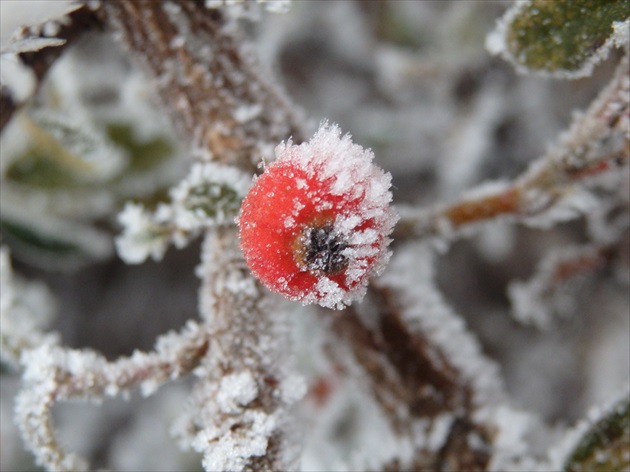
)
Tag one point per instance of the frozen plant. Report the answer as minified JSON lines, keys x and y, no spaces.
{"x":438,"y":281}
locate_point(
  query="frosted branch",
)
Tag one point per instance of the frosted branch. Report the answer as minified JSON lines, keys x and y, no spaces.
{"x":53,"y":373}
{"x":556,"y":187}
{"x":422,"y":365}
{"x":211,"y":87}
{"x":548,"y":293}
{"x":239,"y":413}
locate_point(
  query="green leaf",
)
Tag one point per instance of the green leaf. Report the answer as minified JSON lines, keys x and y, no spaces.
{"x":562,"y":35}
{"x":605,"y":446}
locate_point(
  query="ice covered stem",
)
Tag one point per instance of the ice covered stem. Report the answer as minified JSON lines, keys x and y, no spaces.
{"x":239,"y":414}
{"x":315,"y":225}
{"x":210,"y":86}
{"x":597,"y":142}
{"x":425,"y":369}
{"x":54,"y":374}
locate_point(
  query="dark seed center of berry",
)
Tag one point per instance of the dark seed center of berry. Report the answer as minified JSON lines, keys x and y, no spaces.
{"x":324,"y":250}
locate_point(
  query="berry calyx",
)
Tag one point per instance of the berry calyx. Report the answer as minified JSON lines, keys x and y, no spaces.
{"x":315,"y":225}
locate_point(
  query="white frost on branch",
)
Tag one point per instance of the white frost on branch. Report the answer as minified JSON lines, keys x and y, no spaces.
{"x":238,"y":417}
{"x":546,"y":295}
{"x":53,"y":373}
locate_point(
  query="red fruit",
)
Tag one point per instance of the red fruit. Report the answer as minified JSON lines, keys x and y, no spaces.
{"x":315,"y":225}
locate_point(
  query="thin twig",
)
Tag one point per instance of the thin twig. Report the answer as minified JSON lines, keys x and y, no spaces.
{"x":214,"y":92}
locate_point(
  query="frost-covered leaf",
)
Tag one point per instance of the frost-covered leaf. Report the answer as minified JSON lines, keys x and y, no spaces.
{"x":605,"y":445}
{"x":560,"y":38}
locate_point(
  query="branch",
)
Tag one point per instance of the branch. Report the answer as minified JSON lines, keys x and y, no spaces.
{"x":213,"y":90}
{"x":421,"y":365}
{"x":598,"y":142}
{"x":544,"y":295}
{"x":53,"y":373}
{"x":239,"y":414}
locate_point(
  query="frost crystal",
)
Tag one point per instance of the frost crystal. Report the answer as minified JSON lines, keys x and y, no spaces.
{"x":209,"y":196}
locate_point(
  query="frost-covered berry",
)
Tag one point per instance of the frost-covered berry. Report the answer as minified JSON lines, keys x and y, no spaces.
{"x":315,"y":225}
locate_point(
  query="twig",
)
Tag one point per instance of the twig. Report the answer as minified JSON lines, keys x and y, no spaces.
{"x":597,"y":142}
{"x":53,"y":373}
{"x":415,"y":376}
{"x":239,"y":414}
{"x":213,"y":90}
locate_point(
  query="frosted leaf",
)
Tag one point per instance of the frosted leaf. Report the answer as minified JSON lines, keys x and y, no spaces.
{"x":599,"y":443}
{"x":88,"y":151}
{"x":32,"y":44}
{"x":141,"y":236}
{"x":209,"y":196}
{"x":558,"y":39}
{"x":43,"y":239}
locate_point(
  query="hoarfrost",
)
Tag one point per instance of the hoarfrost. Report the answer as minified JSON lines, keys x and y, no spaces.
{"x":427,"y":312}
{"x":209,"y":196}
{"x":236,"y":390}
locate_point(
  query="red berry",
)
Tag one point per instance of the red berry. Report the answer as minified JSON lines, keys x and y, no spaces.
{"x":315,"y":225}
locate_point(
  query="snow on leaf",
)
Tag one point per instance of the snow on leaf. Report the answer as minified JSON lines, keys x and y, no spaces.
{"x":209,"y":196}
{"x":600,"y":443}
{"x":560,"y":39}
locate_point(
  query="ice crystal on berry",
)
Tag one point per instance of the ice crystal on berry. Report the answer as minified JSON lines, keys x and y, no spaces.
{"x":315,"y":225}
